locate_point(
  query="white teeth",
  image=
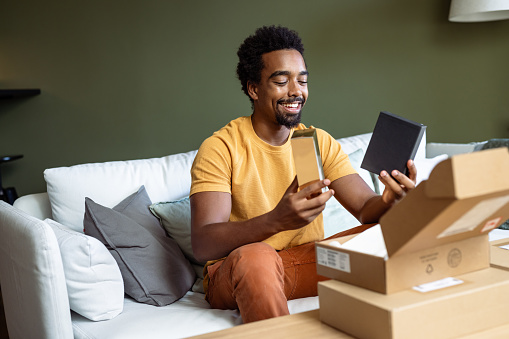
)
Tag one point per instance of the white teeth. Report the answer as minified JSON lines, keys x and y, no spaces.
{"x":294,"y":105}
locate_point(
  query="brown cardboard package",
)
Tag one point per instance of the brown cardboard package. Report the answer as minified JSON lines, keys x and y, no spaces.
{"x":499,"y":257}
{"x":438,"y":230}
{"x":306,"y":157}
{"x":479,"y":303}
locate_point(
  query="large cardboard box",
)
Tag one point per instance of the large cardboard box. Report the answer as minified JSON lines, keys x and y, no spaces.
{"x":499,"y":254}
{"x":439,"y":229}
{"x":477,"y":304}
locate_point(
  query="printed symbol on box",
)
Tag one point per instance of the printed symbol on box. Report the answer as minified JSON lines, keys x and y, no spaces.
{"x":454,"y":257}
{"x":491,"y":224}
{"x":429,"y":269}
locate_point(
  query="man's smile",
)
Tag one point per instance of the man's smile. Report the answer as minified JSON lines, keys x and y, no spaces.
{"x":293,"y":106}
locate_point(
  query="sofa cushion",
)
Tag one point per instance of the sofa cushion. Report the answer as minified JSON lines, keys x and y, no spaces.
{"x":153,"y":267}
{"x":94,"y":282}
{"x":166,"y":178}
{"x":335,"y":217}
{"x":175,"y":217}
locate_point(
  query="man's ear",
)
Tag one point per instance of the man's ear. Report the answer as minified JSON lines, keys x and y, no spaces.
{"x":252,"y":90}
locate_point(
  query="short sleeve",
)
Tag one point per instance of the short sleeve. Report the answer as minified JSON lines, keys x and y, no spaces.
{"x":212,"y":167}
{"x":336,"y":163}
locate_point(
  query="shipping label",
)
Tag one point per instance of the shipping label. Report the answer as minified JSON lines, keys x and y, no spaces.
{"x":333,"y":259}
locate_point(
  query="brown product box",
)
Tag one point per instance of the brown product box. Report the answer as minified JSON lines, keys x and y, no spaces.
{"x":439,"y":229}
{"x":306,"y":157}
{"x":477,"y":304}
{"x":499,"y":257}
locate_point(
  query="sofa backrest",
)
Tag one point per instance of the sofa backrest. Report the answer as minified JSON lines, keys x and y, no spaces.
{"x":167,"y":178}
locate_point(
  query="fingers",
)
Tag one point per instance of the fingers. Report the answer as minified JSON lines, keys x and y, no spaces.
{"x":399,"y":187}
{"x":299,"y":208}
{"x":412,"y":170}
{"x":314,"y":187}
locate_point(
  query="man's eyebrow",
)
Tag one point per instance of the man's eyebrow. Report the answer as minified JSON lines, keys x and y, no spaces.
{"x":279,"y":73}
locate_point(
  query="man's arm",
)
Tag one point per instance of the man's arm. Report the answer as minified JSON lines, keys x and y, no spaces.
{"x":364,"y":204}
{"x":213,"y":236}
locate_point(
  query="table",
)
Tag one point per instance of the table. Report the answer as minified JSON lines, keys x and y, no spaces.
{"x":299,"y":325}
{"x":308,"y":325}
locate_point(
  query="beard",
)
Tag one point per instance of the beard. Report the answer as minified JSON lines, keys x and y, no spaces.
{"x":290,"y":120}
{"x":287,"y":120}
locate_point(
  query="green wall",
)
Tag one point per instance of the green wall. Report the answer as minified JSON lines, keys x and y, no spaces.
{"x":136,"y":79}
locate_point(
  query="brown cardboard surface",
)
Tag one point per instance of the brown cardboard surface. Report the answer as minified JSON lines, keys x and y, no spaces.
{"x":499,"y":257}
{"x":402,"y":271}
{"x":470,"y":174}
{"x":430,"y":236}
{"x":476,"y":305}
{"x":306,"y":156}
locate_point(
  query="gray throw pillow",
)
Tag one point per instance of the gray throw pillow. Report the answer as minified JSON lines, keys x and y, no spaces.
{"x":153,"y":267}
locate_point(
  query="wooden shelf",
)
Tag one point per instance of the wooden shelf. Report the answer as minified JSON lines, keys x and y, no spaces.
{"x":18,"y":93}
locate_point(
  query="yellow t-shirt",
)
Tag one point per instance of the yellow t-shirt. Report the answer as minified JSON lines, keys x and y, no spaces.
{"x":256,"y":174}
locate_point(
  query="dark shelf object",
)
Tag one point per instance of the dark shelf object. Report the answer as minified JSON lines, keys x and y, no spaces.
{"x":18,"y":93}
{"x":7,"y":158}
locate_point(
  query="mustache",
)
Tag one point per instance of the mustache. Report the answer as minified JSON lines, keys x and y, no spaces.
{"x":291,"y":101}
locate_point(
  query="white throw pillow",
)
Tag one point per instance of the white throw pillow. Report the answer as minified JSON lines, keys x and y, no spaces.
{"x":165,"y":179}
{"x":94,"y":283}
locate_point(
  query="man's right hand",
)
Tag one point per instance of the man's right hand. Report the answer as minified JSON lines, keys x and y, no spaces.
{"x":297,"y":208}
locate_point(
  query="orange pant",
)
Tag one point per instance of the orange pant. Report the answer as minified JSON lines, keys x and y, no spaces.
{"x":258,"y":280}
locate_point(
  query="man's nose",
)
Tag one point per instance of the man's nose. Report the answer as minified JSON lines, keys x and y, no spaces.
{"x":294,"y":89}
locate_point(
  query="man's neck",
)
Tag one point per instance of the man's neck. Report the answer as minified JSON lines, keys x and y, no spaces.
{"x":270,"y":132}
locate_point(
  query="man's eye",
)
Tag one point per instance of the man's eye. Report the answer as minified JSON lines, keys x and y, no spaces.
{"x":280,"y":83}
{"x":303,"y":82}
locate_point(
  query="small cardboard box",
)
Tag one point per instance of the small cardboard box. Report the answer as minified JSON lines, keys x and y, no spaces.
{"x":477,"y":304}
{"x":499,"y":255}
{"x":306,"y":157}
{"x":438,"y":230}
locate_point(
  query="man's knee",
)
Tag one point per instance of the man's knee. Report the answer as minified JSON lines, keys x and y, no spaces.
{"x":256,"y":257}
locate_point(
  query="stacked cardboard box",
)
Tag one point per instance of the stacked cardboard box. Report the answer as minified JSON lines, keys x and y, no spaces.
{"x":499,"y":254}
{"x":439,"y":230}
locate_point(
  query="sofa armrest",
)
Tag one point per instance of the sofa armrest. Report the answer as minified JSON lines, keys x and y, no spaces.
{"x":37,"y":205}
{"x":32,"y":277}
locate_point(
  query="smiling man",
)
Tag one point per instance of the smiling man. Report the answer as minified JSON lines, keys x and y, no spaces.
{"x":250,"y":222}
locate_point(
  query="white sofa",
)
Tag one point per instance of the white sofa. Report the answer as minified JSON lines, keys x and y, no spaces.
{"x":36,"y":263}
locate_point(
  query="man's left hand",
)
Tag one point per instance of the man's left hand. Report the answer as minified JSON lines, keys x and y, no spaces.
{"x":397,"y":190}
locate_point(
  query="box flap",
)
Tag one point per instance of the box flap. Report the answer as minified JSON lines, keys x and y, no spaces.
{"x":471,"y":174}
{"x":466,"y":196}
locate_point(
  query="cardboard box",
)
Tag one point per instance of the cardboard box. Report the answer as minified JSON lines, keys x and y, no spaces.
{"x":439,"y":229}
{"x":306,"y":157}
{"x":499,"y":257}
{"x":477,"y":304}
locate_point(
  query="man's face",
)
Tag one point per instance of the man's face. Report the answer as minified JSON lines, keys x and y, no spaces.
{"x":282,"y":91}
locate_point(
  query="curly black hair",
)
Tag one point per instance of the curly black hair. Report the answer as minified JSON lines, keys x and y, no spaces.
{"x":265,"y":39}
